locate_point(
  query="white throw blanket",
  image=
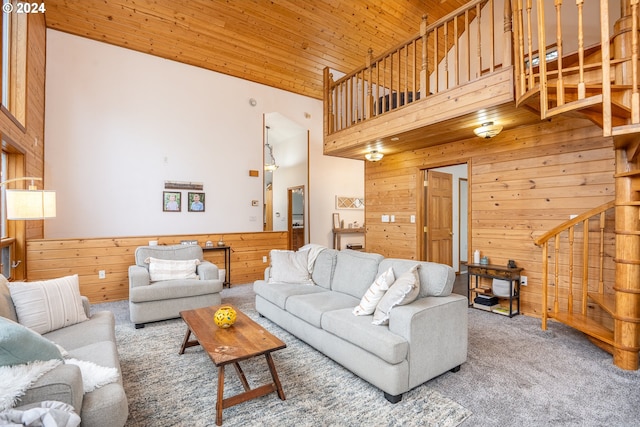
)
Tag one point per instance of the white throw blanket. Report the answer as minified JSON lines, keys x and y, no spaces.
{"x":44,"y":414}
{"x":15,"y":380}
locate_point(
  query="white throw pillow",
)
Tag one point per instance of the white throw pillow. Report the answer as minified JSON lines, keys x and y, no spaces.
{"x":48,"y":305}
{"x":171,"y":269}
{"x":403,"y":291}
{"x":374,"y":294}
{"x":289,"y":267}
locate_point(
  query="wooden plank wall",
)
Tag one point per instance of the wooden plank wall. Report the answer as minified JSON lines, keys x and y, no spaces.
{"x":51,"y":258}
{"x":522,"y":183}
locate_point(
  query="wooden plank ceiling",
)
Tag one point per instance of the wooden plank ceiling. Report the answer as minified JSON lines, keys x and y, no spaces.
{"x":280,"y":43}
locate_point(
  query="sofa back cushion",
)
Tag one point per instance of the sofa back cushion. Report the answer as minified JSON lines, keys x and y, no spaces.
{"x":435,"y":279}
{"x":324,"y":267}
{"x":7,"y":308}
{"x":172,"y":252}
{"x":355,"y":271}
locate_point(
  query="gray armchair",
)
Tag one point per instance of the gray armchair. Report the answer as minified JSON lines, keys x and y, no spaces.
{"x":150,"y":301}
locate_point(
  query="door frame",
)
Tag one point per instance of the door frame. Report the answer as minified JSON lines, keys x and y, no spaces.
{"x":420,"y":207}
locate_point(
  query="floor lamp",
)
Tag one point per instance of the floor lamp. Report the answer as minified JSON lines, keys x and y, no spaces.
{"x":31,"y":203}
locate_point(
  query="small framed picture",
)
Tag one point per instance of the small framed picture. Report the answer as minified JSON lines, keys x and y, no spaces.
{"x":336,"y":220}
{"x":196,"y":202}
{"x":171,"y":201}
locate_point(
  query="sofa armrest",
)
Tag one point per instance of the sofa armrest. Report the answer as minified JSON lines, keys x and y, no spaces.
{"x":267,"y":273}
{"x":207,"y":271}
{"x":63,"y":384}
{"x":86,"y":305}
{"x":437,"y":331}
{"x":138,"y":276}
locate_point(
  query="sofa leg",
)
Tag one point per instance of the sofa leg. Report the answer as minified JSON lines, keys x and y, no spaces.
{"x":139,"y":325}
{"x":393,"y":399}
{"x":456,"y":369}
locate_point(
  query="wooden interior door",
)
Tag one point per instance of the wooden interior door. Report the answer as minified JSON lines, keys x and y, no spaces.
{"x":439,"y":220}
{"x":268,"y":208}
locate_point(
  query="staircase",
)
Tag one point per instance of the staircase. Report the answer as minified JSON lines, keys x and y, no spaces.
{"x":592,"y":262}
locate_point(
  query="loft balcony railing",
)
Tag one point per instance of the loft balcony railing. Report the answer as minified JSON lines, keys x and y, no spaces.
{"x":455,"y":49}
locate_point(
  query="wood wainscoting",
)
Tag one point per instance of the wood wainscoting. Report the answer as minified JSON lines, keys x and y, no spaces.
{"x":51,"y":258}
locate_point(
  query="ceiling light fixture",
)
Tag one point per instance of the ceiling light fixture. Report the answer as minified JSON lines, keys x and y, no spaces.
{"x":487,"y":130}
{"x":269,"y":165}
{"x":374,"y":156}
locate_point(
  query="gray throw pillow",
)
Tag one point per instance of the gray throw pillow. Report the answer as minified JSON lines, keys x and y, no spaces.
{"x":20,"y":345}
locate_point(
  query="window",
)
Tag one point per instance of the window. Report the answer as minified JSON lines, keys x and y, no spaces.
{"x":14,"y":64}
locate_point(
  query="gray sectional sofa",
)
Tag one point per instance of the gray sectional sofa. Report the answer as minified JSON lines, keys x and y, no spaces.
{"x":92,"y":340}
{"x":423,"y":339}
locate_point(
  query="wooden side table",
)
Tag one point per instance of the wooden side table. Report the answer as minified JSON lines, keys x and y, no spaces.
{"x":337,"y":232}
{"x":227,"y":261}
{"x":512,"y":275}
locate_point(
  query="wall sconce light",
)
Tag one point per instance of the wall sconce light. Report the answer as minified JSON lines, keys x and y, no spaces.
{"x":374,"y":156}
{"x":31,"y":203}
{"x":487,"y":130}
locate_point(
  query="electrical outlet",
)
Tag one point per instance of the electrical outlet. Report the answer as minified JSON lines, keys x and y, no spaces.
{"x":264,"y":258}
{"x":393,"y":218}
{"x":102,"y":274}
{"x":523,"y":280}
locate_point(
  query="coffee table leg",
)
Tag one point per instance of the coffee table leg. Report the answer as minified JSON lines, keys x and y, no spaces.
{"x":274,"y":375}
{"x":242,"y":377}
{"x":220,"y":395}
{"x":185,"y":341}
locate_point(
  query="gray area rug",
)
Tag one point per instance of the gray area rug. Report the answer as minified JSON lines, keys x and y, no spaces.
{"x":167,"y":389}
{"x":516,"y":374}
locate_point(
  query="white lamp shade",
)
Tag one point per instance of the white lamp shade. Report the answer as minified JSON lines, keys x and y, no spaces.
{"x":31,"y":204}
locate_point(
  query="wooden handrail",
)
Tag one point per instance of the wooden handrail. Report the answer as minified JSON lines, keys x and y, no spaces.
{"x":573,"y":222}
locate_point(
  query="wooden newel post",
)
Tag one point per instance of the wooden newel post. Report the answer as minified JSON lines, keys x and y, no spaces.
{"x":424,"y":72}
{"x":507,"y":37}
{"x":328,"y":102}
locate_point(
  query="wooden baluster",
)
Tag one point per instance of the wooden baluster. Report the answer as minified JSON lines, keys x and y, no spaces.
{"x":479,"y":41}
{"x":556,"y":274}
{"x":545,"y":284}
{"x":467,"y":32}
{"x":456,"y":59}
{"x":361,"y":102}
{"x":635,"y":96}
{"x":349,"y":102}
{"x":542,"y":64}
{"x":406,"y":75}
{"x":492,"y":26}
{"x":601,"y":255}
{"x":560,"y":80}
{"x":521,"y":53}
{"x":570,"y":301}
{"x":446,"y":55}
{"x":424,"y":75}
{"x":378,"y":88}
{"x":436,"y":68}
{"x":369,"y":112}
{"x":391,"y":78}
{"x":585,"y":265}
{"x":532,"y":82}
{"x":414,"y":65}
{"x":582,"y":89}
{"x":606,"y":69}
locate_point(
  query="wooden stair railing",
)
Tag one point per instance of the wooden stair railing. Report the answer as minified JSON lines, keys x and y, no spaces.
{"x":433,"y":61}
{"x":577,"y":262}
{"x":602,"y":83}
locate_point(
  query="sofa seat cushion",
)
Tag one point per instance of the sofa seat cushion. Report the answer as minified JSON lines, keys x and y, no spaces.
{"x":278,"y":293}
{"x":311,"y":307}
{"x":171,"y":289}
{"x":99,"y":327}
{"x":359,"y":330}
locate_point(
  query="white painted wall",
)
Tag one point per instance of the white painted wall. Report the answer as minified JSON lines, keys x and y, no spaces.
{"x":119,"y":123}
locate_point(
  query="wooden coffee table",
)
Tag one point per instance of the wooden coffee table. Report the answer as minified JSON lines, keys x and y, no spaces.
{"x":242,"y":341}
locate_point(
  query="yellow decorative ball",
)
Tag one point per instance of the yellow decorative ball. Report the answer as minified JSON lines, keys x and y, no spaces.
{"x":225,"y":317}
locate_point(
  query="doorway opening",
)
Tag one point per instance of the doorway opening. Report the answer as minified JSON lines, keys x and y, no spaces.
{"x":444,"y":219}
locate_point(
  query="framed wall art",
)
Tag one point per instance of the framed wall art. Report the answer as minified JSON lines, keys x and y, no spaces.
{"x":171,"y":201}
{"x":343,"y":202}
{"x":195,"y":202}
